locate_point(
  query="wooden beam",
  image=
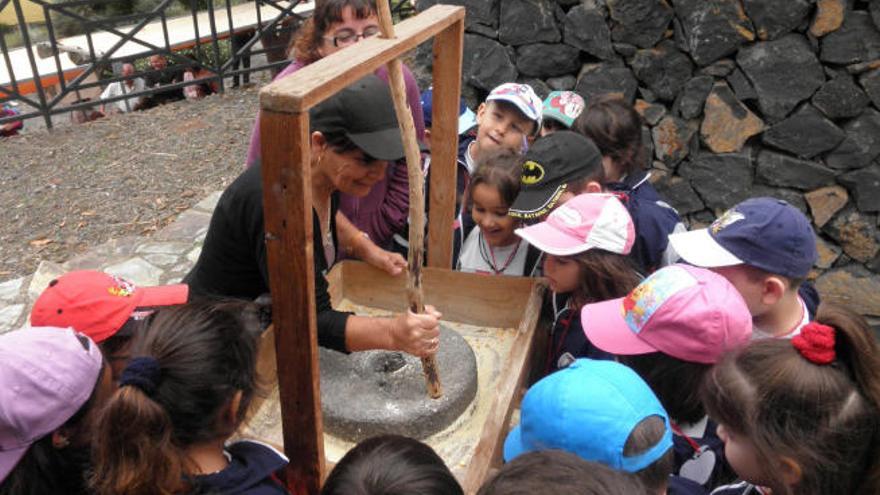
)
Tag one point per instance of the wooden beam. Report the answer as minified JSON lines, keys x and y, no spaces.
{"x":306,"y":88}
{"x":448,"y":48}
{"x":287,"y":207}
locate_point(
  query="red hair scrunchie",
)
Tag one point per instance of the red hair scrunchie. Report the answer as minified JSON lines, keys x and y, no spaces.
{"x":816,"y":343}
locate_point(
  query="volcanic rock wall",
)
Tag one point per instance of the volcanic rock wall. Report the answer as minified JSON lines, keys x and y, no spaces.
{"x":740,"y":98}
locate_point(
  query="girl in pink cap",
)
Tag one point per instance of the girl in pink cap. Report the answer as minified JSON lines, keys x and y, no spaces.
{"x":586,"y":242}
{"x":799,"y":416}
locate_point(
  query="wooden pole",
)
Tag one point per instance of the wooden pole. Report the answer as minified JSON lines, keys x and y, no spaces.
{"x":414,"y":293}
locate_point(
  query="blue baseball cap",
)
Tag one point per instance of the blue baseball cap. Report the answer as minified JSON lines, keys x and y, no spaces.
{"x":466,"y":117}
{"x":590,"y":409}
{"x":765,"y":233}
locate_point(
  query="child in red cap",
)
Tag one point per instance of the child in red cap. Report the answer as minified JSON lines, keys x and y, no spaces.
{"x":104,"y":307}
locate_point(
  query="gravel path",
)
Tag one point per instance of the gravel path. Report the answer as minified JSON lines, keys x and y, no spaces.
{"x":64,"y":191}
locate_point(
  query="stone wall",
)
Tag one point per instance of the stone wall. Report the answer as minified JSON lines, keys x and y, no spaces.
{"x":741,"y":98}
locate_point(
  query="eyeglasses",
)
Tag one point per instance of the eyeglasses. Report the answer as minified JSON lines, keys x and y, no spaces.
{"x":347,"y":36}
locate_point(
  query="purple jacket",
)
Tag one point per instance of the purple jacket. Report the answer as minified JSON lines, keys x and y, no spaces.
{"x":386,"y":208}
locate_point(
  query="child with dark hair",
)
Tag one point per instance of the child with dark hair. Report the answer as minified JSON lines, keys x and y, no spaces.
{"x":492,"y":247}
{"x":180,"y":399}
{"x":506,"y":122}
{"x":670,"y":330}
{"x":565,"y":164}
{"x":603,"y":412}
{"x":106,"y":308}
{"x":53,"y":381}
{"x":556,"y":472}
{"x":766,"y":248}
{"x":391,"y":465}
{"x":799,"y":416}
{"x":586,"y":242}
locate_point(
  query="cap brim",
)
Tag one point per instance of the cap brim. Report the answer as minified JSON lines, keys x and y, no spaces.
{"x":605,"y":328}
{"x":537,"y":202}
{"x":383,"y":145}
{"x":698,"y":248}
{"x":466,"y":121}
{"x":9,"y":459}
{"x":513,"y":445}
{"x":163,"y":295}
{"x":551,"y":241}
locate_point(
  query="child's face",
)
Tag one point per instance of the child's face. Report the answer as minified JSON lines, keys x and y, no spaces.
{"x":501,"y":128}
{"x":742,"y":455}
{"x":490,"y":213}
{"x":750,"y":288}
{"x":562,"y":272}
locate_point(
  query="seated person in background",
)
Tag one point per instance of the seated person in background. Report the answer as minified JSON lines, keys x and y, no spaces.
{"x":556,"y":472}
{"x":118,"y":88}
{"x":354,"y":134}
{"x":108,"y":309}
{"x":671,"y":329}
{"x":53,"y":384}
{"x":492,"y":247}
{"x":163,"y":75}
{"x":193,"y":72}
{"x":391,"y":465}
{"x":10,"y":128}
{"x":616,"y":129}
{"x":602,"y":412}
{"x":560,"y":110}
{"x":766,"y":248}
{"x":85,"y":113}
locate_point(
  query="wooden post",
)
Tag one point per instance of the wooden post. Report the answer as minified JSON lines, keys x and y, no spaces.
{"x":287,"y":207}
{"x":448,"y":47}
{"x":414,"y":292}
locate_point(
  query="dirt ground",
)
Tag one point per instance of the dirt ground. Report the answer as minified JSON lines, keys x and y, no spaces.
{"x":66,"y":190}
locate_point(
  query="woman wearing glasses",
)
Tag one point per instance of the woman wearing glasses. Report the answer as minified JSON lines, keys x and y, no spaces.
{"x":336,"y":25}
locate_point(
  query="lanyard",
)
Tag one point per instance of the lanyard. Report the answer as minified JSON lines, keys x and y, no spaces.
{"x":493,"y":264}
{"x":565,"y":323}
{"x":694,"y":445}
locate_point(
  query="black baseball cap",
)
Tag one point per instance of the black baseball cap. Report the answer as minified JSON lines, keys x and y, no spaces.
{"x":550,"y":165}
{"x":364,"y":113}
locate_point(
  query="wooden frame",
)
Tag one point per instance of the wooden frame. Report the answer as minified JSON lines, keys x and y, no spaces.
{"x":287,"y":205}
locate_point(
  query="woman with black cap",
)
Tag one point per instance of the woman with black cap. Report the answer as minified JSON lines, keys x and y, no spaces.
{"x":353,"y":136}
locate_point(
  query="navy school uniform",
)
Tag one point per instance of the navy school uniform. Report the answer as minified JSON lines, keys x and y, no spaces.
{"x":683,"y":486}
{"x":699,"y":455}
{"x":567,"y":338}
{"x":653,"y":219}
{"x":251,"y":470}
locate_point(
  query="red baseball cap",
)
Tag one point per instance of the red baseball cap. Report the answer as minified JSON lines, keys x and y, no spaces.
{"x":98,"y":304}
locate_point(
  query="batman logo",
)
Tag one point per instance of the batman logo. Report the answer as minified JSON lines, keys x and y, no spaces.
{"x":532,"y":173}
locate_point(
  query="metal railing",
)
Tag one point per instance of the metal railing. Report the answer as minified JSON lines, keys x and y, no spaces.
{"x":53,"y":89}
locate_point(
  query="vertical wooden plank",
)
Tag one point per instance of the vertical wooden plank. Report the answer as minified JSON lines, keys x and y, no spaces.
{"x":287,"y":206}
{"x":448,"y":47}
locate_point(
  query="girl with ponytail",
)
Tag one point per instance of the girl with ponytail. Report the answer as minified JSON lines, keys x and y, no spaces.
{"x":180,"y":398}
{"x":802,"y":416}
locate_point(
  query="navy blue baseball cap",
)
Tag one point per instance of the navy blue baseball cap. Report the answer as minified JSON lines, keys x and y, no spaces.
{"x":765,"y":233}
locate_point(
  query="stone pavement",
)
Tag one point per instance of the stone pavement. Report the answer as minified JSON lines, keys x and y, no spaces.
{"x":163,"y":258}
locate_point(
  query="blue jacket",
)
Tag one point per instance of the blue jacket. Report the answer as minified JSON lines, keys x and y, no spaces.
{"x":251,"y":471}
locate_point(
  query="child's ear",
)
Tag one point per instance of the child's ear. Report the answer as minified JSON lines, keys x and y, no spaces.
{"x":230,"y":416}
{"x":318,"y":141}
{"x":480,"y":111}
{"x":593,"y":187}
{"x":773,"y":290}
{"x":790,"y":470}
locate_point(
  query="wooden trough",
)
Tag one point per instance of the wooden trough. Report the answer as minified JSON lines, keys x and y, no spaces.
{"x":507,"y":308}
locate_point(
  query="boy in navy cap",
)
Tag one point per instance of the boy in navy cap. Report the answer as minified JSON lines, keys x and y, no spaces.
{"x":766,"y":248}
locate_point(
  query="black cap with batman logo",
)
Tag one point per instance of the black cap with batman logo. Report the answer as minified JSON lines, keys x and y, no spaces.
{"x":550,"y":164}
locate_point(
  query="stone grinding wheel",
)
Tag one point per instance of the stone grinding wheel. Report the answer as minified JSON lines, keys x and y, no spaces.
{"x":376,"y":392}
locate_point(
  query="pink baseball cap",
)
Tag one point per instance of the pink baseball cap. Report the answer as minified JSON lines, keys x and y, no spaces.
{"x":46,"y":375}
{"x":523,"y":97}
{"x":587,"y":221}
{"x":689,"y":313}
